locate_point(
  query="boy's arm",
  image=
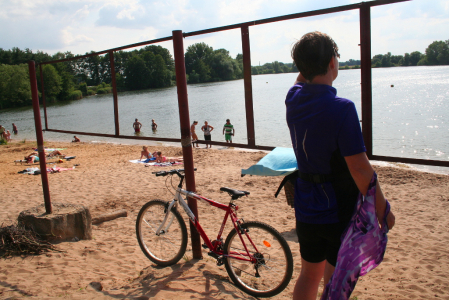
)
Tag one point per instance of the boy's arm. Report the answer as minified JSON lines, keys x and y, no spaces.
{"x":362,"y":172}
{"x":300,"y":78}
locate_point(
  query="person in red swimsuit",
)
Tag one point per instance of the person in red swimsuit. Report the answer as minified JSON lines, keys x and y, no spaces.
{"x":137,"y":125}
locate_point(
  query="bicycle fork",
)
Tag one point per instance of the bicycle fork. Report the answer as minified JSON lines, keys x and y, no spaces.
{"x":159,"y":230}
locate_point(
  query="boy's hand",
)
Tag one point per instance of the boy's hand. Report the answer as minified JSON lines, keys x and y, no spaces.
{"x":391,"y":220}
{"x":300,"y":78}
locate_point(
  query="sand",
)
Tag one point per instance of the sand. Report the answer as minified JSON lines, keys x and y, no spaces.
{"x":112,"y":266}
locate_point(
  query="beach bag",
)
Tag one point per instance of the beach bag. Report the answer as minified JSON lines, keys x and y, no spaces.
{"x":362,"y":248}
{"x":288,"y":183}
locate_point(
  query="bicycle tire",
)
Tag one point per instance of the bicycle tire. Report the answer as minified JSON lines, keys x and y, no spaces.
{"x":275,"y":260}
{"x":167,"y":248}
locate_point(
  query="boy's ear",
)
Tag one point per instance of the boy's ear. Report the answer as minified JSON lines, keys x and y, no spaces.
{"x":332,"y":64}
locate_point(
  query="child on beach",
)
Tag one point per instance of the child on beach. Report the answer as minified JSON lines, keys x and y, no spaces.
{"x":193,"y":134}
{"x":8,"y":136}
{"x":145,"y":153}
{"x":332,"y":165}
{"x":161,"y":159}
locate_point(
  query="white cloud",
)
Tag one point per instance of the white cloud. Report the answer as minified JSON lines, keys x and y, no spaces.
{"x":80,"y":26}
{"x":71,"y":40}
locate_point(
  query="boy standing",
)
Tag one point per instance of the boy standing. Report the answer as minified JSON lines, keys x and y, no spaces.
{"x":332,"y":164}
{"x":193,"y":134}
{"x":228,"y":131}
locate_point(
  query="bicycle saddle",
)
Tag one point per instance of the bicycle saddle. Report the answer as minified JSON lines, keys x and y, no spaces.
{"x":235,"y":194}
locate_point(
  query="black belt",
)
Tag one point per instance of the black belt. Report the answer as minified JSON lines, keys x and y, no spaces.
{"x":316,"y":178}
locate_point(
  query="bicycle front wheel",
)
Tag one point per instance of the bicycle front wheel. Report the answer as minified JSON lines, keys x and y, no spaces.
{"x":169,"y":246}
{"x":269,"y":267}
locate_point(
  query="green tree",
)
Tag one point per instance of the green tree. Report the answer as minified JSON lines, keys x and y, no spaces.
{"x":52,"y":82}
{"x":415,"y":57}
{"x":197,"y":58}
{"x":438,"y":53}
{"x":136,"y":73}
{"x":221,"y":65}
{"x":406,"y":60}
{"x":15,"y":89}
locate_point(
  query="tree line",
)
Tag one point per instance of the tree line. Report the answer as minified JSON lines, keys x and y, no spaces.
{"x":153,"y":67}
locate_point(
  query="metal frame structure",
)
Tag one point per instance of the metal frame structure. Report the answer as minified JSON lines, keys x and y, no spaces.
{"x":177,"y":38}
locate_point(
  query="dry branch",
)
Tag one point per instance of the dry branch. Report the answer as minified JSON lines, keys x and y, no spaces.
{"x":16,"y":240}
{"x":109,"y":216}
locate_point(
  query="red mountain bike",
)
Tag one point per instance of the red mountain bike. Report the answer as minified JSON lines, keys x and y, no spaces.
{"x":256,"y":256}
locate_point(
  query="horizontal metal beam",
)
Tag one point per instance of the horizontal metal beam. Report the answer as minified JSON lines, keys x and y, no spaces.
{"x":294,"y":16}
{"x":414,"y":161}
{"x":159,"y":139}
{"x":169,"y":38}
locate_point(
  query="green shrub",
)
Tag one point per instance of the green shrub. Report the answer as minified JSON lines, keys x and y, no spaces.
{"x":76,"y":95}
{"x":83,"y":88}
{"x":91,"y":92}
{"x":105,"y":90}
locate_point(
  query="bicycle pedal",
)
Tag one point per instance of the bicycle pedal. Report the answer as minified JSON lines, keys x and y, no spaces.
{"x":213,"y":254}
{"x":220,"y":261}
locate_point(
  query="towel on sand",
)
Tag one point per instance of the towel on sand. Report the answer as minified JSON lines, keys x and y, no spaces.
{"x":138,"y":161}
{"x":279,"y":162}
{"x":163,"y":164}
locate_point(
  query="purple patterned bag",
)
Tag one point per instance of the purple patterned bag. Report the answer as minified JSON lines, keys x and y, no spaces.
{"x":362,"y":248}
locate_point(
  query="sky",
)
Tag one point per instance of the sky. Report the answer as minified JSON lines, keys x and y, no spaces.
{"x":81,"y":26}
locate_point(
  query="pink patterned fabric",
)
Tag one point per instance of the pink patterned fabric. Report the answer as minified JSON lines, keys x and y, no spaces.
{"x":362,"y":249}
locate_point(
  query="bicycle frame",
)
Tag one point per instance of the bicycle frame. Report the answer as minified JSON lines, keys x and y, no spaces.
{"x":230,"y":210}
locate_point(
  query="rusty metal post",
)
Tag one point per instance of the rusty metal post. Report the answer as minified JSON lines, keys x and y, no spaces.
{"x":39,"y":136}
{"x":186,"y":143}
{"x":248,"y":86}
{"x":367,"y":96}
{"x":43,"y":97}
{"x":114,"y":92}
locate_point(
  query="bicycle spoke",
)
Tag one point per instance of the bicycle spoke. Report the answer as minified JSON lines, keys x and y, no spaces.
{"x":169,"y":246}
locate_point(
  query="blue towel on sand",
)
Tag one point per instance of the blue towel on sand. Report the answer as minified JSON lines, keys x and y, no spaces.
{"x":279,"y":162}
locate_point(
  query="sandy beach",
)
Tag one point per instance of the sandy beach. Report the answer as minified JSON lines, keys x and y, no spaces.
{"x":112,"y":266}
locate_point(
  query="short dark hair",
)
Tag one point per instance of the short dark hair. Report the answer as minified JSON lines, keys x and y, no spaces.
{"x":313,"y":53}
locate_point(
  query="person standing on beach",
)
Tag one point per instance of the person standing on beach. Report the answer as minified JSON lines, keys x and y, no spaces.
{"x":153,"y":125}
{"x":193,"y":134}
{"x":207,"y":130}
{"x":2,"y":132}
{"x":14,"y":129}
{"x":333,"y":167}
{"x":137,"y":125}
{"x":228,"y":131}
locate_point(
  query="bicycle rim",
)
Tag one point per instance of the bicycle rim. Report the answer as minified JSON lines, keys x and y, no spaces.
{"x":273,"y":270}
{"x":169,"y":246}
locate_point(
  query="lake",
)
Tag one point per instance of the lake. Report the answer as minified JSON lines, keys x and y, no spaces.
{"x":410,"y":111}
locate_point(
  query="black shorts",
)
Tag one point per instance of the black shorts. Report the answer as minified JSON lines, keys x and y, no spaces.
{"x":207,"y":137}
{"x":319,"y":242}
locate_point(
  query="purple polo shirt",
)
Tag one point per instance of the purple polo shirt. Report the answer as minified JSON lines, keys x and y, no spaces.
{"x":320,"y":123}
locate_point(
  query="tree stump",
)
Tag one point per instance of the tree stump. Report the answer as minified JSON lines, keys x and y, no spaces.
{"x":67,"y":221}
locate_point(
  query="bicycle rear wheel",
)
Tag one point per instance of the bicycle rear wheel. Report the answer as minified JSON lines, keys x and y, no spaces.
{"x":169,"y":246}
{"x":272,"y":267}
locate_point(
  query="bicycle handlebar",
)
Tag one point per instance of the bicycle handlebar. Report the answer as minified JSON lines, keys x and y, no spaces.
{"x":175,"y":171}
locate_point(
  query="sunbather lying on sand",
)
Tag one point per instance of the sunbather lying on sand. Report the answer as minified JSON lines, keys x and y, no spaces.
{"x":34,"y":157}
{"x":145,"y":153}
{"x":160,"y":158}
